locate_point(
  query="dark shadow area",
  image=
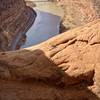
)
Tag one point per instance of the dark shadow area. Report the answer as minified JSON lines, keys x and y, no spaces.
{"x":33,"y":72}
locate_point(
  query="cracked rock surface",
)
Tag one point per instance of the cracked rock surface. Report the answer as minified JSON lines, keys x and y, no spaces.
{"x":65,"y":67}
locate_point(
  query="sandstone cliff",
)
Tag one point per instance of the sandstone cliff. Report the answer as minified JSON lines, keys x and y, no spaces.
{"x":66,"y":67}
{"x":15,"y":18}
{"x":79,"y":12}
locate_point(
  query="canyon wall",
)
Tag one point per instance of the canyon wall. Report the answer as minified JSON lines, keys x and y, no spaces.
{"x":79,"y":12}
{"x":15,"y":18}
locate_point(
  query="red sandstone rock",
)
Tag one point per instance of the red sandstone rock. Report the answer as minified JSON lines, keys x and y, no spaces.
{"x":66,"y":67}
{"x":79,"y":12}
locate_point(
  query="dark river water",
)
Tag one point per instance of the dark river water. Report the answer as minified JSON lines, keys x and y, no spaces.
{"x":46,"y":25}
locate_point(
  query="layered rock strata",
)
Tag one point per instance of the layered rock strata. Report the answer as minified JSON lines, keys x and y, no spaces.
{"x":15,"y":18}
{"x":66,"y":67}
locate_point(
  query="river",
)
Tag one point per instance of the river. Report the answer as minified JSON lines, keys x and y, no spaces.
{"x":47,"y":22}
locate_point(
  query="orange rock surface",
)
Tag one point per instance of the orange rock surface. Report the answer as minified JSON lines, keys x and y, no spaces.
{"x":66,"y":67}
{"x":79,"y":12}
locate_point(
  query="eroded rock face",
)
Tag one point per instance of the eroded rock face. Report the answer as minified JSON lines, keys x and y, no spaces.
{"x":79,"y":12}
{"x":66,"y":67}
{"x":15,"y":18}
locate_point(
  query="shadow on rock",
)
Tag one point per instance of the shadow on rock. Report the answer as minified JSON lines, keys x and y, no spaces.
{"x":34,"y":76}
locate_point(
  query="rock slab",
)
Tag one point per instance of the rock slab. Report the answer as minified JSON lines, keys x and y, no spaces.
{"x":65,"y":67}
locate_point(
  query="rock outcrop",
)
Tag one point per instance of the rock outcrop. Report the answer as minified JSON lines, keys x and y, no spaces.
{"x":15,"y":18}
{"x":79,"y":12}
{"x":65,"y":67}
